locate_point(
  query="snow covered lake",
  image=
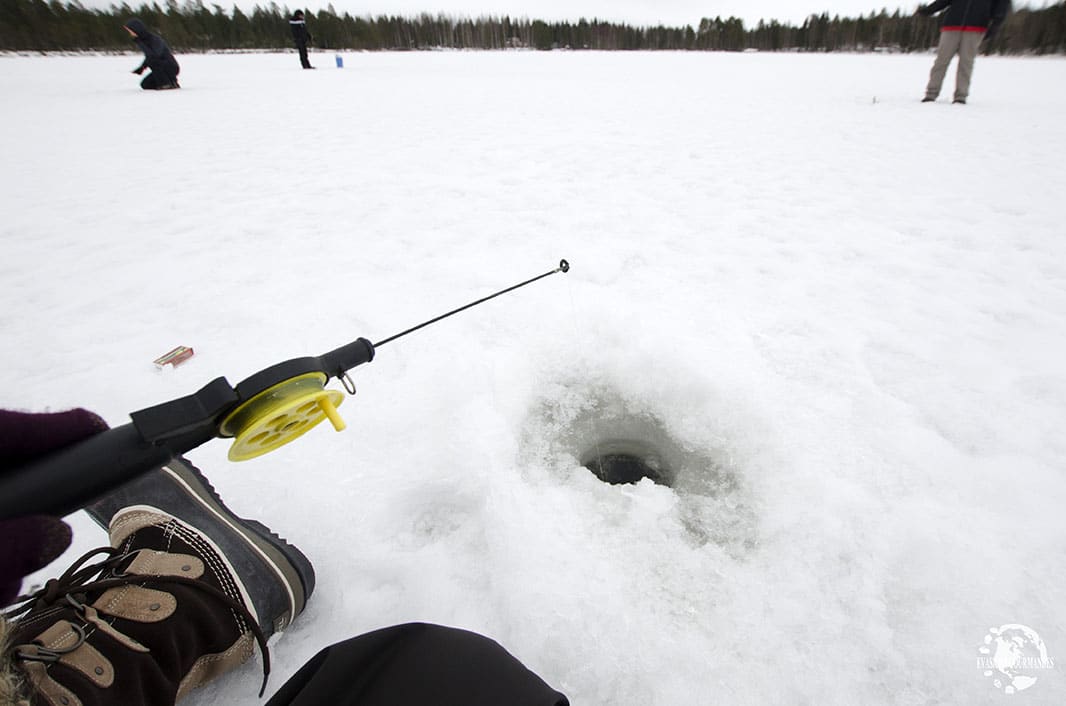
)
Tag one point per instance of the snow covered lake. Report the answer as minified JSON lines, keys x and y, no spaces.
{"x":839,"y":315}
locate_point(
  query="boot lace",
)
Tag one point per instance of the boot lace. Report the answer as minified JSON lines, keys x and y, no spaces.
{"x":72,"y":589}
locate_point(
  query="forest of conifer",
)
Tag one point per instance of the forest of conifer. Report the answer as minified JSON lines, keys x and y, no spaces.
{"x":39,"y":26}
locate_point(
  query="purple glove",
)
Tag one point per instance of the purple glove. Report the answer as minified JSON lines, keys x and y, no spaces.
{"x":31,"y":543}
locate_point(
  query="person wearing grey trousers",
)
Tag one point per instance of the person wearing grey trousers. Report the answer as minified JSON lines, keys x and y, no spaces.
{"x":963,"y":26}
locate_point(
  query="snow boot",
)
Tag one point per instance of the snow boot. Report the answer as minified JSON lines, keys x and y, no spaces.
{"x":927,"y":99}
{"x":184,"y":594}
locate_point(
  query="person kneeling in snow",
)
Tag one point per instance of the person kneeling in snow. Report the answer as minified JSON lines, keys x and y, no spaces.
{"x":186,"y":591}
{"x":157,"y":57}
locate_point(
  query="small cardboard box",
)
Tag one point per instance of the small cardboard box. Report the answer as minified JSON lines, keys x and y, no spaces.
{"x":175,"y":357}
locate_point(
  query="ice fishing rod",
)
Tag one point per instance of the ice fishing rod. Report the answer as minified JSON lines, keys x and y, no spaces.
{"x":261,"y":413}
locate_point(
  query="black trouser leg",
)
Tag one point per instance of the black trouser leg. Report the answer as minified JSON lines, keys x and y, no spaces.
{"x":304,"y":62}
{"x":415,"y":665}
{"x":158,"y":79}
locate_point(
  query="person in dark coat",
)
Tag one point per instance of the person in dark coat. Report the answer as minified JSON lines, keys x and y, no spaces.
{"x":157,"y":57}
{"x":185,"y":591}
{"x":301,"y":37}
{"x":964,"y":24}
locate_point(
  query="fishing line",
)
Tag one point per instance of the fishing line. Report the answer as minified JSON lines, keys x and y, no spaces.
{"x":564,"y":266}
{"x":593,"y":421}
{"x":261,"y":413}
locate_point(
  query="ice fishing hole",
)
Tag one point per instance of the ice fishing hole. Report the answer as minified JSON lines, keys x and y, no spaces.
{"x":581,"y":427}
{"x":622,"y":461}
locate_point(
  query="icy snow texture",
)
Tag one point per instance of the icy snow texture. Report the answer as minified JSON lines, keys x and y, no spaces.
{"x":849,"y":305}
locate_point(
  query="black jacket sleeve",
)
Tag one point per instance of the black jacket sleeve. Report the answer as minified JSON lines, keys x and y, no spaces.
{"x":1000,"y":8}
{"x":156,"y":52}
{"x":934,"y":7}
{"x":300,"y":35}
{"x":157,"y":55}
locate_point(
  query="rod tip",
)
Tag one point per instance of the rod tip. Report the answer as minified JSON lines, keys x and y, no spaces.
{"x":564,"y":266}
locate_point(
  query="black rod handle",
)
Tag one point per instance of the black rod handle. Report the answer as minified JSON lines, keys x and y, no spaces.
{"x":339,"y":360}
{"x":70,"y":478}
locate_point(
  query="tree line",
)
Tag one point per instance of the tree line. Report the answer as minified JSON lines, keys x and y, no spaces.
{"x":37,"y":25}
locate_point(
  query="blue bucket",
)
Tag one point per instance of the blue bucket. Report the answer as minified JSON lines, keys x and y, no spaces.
{"x":340,"y":61}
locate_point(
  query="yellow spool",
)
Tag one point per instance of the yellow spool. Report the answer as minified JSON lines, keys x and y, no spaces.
{"x":281,"y":413}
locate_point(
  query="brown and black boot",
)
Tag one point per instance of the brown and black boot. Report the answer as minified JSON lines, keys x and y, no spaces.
{"x":185,"y":593}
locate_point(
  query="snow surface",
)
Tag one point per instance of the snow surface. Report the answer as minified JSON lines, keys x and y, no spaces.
{"x":840,"y":313}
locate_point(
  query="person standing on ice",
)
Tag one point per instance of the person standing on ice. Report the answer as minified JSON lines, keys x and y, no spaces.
{"x":301,"y":37}
{"x":157,"y":57}
{"x":962,"y":28}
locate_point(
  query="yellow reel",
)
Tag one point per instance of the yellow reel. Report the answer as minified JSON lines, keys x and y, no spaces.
{"x":280,"y":414}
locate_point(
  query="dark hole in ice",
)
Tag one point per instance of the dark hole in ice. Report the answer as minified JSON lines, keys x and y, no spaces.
{"x":623,"y":461}
{"x":621,"y":468}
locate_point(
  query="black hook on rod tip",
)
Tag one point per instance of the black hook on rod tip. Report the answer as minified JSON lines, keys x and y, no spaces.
{"x":564,"y":266}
